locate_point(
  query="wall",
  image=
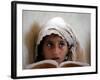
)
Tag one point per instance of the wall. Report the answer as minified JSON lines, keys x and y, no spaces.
{"x":5,"y":40}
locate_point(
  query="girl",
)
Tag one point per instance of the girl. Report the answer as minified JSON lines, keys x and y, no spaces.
{"x":57,"y":41}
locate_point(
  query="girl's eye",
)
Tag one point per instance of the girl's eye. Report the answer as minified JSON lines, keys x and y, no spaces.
{"x":62,"y":44}
{"x":49,"y":45}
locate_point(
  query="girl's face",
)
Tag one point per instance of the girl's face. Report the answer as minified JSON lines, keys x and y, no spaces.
{"x":55,"y":48}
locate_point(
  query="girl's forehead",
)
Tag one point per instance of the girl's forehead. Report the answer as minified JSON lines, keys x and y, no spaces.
{"x":53,"y":37}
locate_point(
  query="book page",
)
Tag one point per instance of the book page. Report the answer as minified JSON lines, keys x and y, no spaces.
{"x":43,"y":64}
{"x":73,"y":64}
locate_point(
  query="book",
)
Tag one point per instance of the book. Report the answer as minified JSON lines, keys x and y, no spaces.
{"x":54,"y":64}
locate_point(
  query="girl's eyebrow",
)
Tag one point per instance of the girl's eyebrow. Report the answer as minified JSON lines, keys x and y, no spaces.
{"x":62,"y":41}
{"x":50,"y":40}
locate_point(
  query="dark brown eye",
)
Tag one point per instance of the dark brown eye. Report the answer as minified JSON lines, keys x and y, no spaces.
{"x":61,"y":44}
{"x":49,"y":45}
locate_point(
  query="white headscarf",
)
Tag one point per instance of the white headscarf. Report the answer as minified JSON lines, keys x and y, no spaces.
{"x":58,"y":26}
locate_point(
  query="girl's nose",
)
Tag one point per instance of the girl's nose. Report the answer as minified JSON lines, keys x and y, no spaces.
{"x":56,"y":51}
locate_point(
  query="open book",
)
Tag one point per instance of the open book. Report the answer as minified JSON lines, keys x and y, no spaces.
{"x":54,"y":64}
